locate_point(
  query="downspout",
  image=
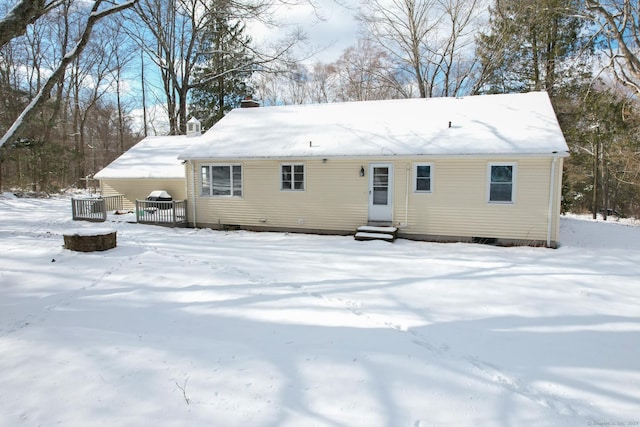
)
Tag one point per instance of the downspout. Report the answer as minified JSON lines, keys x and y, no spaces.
{"x":193,"y":186}
{"x":406,"y":200}
{"x":552,"y":185}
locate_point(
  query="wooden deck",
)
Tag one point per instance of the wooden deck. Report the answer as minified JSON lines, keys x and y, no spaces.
{"x":170,"y":213}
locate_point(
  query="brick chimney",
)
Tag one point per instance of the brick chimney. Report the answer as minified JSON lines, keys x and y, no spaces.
{"x":249,"y":103}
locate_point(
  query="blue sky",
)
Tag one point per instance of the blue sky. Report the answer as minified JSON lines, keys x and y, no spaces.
{"x":330,"y":29}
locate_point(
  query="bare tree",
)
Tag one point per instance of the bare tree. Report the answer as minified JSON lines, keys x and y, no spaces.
{"x":365,"y":72}
{"x":362,"y":72}
{"x":23,"y":13}
{"x":454,"y":58}
{"x":296,"y":87}
{"x":404,"y":28}
{"x":175,"y":35}
{"x":619,"y":26}
{"x":431,"y":40}
{"x":322,"y":83}
{"x":118,"y":43}
{"x":267,"y":87}
{"x":10,"y":27}
{"x":90,"y":78}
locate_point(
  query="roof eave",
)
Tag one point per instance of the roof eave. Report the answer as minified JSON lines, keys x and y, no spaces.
{"x":377,"y":156}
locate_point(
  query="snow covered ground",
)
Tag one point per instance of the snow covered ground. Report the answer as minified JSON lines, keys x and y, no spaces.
{"x":183,"y":327}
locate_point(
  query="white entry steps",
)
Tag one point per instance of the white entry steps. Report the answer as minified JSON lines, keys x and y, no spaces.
{"x":370,"y":232}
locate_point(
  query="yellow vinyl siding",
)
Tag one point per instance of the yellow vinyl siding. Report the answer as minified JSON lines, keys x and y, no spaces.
{"x":140,"y":188}
{"x":336,"y":198}
{"x":459,"y":206}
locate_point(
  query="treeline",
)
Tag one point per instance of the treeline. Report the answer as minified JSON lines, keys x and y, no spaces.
{"x":197,"y":58}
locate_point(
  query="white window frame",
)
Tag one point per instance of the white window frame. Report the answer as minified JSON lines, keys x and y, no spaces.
{"x":231,"y":182}
{"x":415,"y":177}
{"x":293,"y":181}
{"x":514,"y":179}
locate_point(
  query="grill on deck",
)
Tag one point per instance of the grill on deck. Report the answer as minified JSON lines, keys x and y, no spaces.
{"x":159,"y":208}
{"x":159,"y":196}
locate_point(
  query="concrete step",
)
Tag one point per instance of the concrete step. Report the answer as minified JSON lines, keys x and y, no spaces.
{"x":361,"y":235}
{"x":370,"y":232}
{"x":378,"y":229}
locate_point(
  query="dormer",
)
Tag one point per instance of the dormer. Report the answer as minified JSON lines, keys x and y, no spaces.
{"x":193,"y":127}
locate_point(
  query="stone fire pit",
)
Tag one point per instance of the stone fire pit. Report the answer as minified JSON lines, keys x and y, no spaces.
{"x":90,"y":240}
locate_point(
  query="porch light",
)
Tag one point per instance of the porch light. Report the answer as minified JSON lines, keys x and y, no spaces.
{"x":361,"y":170}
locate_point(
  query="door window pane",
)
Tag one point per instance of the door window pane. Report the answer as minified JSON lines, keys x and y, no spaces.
{"x":380,"y":176}
{"x":380,"y":185}
{"x":380,"y":195}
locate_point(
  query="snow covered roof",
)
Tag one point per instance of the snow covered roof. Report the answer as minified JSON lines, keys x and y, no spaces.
{"x":474,"y":125}
{"x":153,"y":157}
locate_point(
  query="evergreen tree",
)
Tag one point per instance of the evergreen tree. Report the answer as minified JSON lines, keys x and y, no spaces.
{"x":225,"y":66}
{"x":601,"y":124}
{"x":530,"y":45}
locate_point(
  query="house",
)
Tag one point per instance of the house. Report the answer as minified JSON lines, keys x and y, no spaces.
{"x":150,"y":165}
{"x":476,"y":168}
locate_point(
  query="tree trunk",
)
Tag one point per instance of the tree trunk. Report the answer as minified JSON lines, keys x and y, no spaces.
{"x":25,"y":12}
{"x":596,"y":160}
{"x":44,"y":93}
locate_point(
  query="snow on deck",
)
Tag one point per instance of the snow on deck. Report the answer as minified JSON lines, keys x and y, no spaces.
{"x":474,"y":125}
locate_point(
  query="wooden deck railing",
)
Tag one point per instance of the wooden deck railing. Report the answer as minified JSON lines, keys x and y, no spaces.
{"x":95,"y":208}
{"x":114,"y":202}
{"x":172,"y":213}
{"x":89,"y":209}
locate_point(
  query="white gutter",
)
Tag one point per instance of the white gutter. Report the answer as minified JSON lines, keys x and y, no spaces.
{"x":381,"y":158}
{"x":552,"y":198}
{"x":193,"y":183}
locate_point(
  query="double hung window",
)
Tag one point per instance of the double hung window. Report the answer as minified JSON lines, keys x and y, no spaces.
{"x":502,"y":182}
{"x":423,"y":177}
{"x":292,"y":177}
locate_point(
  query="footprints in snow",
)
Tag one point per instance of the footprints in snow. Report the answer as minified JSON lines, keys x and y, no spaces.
{"x":489,"y":372}
{"x":356,"y":309}
{"x":546,"y":399}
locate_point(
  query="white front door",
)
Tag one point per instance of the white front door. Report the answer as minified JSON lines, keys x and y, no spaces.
{"x":380,"y":192}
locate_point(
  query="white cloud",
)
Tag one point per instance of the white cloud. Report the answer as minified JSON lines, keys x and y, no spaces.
{"x":157,"y":120}
{"x":330,"y":28}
